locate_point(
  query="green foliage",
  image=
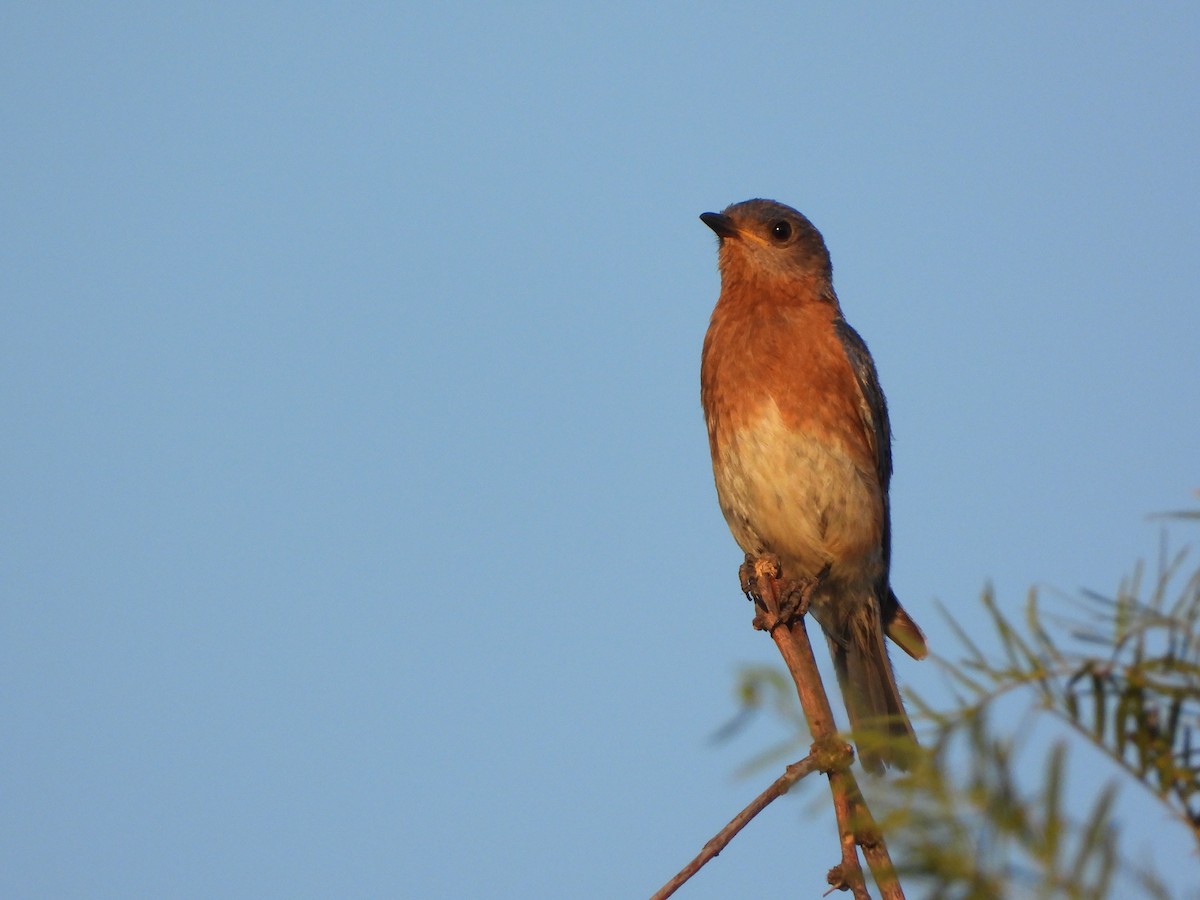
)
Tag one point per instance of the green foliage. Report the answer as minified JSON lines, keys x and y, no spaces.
{"x":982,"y":836}
{"x":983,"y":813}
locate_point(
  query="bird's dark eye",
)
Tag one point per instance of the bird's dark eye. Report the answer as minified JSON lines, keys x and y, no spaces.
{"x":781,"y":230}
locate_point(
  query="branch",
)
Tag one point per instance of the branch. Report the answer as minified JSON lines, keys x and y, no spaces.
{"x":829,"y":754}
{"x":720,"y":841}
{"x":856,"y":825}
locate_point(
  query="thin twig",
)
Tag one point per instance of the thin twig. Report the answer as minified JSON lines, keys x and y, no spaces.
{"x":721,"y":839}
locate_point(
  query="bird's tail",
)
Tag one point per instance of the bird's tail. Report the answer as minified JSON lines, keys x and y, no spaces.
{"x":882,"y":731}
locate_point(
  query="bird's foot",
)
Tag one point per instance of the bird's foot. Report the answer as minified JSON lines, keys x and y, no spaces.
{"x":779,"y":601}
{"x":798,"y":597}
{"x":756,"y":572}
{"x":760,"y":577}
{"x":795,"y":599}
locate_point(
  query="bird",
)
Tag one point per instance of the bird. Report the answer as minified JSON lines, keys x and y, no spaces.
{"x":800,"y":440}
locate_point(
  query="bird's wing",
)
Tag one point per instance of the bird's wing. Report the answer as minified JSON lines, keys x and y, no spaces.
{"x":872,"y":404}
{"x":873,"y":408}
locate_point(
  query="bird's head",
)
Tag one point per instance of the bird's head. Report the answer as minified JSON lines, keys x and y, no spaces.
{"x":762,"y":240}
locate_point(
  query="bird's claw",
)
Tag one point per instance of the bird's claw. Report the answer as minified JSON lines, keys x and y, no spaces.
{"x":795,"y":599}
{"x":756,"y":571}
{"x":779,"y":601}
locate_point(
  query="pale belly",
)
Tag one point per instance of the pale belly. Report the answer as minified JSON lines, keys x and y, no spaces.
{"x":801,"y":499}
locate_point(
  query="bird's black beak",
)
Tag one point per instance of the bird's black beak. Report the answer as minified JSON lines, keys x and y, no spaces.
{"x":720,"y":223}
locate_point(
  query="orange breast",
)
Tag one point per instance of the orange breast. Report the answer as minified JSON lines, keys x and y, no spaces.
{"x":792,"y":456}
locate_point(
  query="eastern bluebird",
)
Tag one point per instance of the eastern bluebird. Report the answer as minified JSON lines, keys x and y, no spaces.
{"x":801,"y":448}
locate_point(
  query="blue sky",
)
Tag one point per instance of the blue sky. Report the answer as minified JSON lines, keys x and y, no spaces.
{"x":358,"y":525}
